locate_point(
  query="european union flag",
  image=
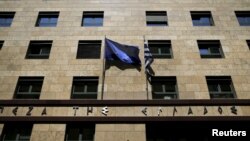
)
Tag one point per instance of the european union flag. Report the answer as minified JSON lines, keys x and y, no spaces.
{"x":125,"y":53}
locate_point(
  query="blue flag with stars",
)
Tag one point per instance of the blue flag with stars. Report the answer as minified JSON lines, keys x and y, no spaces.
{"x":125,"y":53}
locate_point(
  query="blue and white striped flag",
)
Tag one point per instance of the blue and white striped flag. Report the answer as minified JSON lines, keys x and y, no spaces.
{"x":148,"y":60}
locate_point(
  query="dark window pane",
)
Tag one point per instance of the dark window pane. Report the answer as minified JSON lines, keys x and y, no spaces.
{"x":202,"y":21}
{"x":196,"y":21}
{"x":78,"y":132}
{"x":79,"y":88}
{"x":24,"y":135}
{"x":214,"y":50}
{"x":157,"y":87}
{"x":24,"y":88}
{"x":164,"y":88}
{"x":88,"y":134}
{"x":6,"y":18}
{"x":17,"y":132}
{"x":89,"y":50}
{"x":205,"y":21}
{"x":170,"y":87}
{"x":160,"y":49}
{"x":45,"y":50}
{"x":92,"y":87}
{"x":243,"y":17}
{"x":204,"y":51}
{"x":28,"y":88}
{"x":92,"y":19}
{"x":156,"y":18}
{"x":36,"y":88}
{"x":164,"y":95}
{"x":225,"y":87}
{"x":157,"y":23}
{"x":210,"y":49}
{"x":5,"y":21}
{"x":2,"y":20}
{"x":47,"y":19}
{"x":44,"y":20}
{"x":1,"y":44}
{"x":202,"y":18}
{"x":154,"y":50}
{"x":85,"y":88}
{"x":220,"y":87}
{"x":164,"y":50}
{"x":213,"y":88}
{"x":248,"y":43}
{"x":11,"y":134}
{"x":35,"y":50}
{"x":73,"y":134}
{"x":53,"y":20}
{"x":244,"y":20}
{"x":39,"y":50}
{"x":222,"y":95}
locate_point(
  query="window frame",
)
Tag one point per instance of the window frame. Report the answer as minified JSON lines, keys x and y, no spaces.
{"x":165,"y":44}
{"x":16,"y":128}
{"x":248,"y":44}
{"x":24,"y":81}
{"x":91,"y":53}
{"x":240,"y":14}
{"x":164,"y":80}
{"x":33,"y":45}
{"x":209,"y":44}
{"x":93,"y":15}
{"x":85,"y":82}
{"x":1,"y":44}
{"x":80,"y":128}
{"x":49,"y":15}
{"x":157,"y":22}
{"x":7,"y":15}
{"x":200,"y":14}
{"x":219,"y":81}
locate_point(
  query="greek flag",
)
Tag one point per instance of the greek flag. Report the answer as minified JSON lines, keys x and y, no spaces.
{"x":148,"y":60}
{"x":125,"y":53}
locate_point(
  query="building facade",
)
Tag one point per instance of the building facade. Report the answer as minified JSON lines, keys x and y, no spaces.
{"x":56,"y":85}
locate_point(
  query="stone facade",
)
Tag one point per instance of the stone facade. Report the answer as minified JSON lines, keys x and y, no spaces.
{"x":124,"y":22}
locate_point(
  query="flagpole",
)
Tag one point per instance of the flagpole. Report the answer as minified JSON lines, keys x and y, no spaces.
{"x":104,"y":69}
{"x":145,"y":70}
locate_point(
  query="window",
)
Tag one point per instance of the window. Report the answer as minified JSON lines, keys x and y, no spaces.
{"x":39,"y":50}
{"x":248,"y":43}
{"x":28,"y":88}
{"x":243,"y":17}
{"x":220,"y":87}
{"x":210,"y":49}
{"x":6,"y":18}
{"x":84,"y":88}
{"x":160,"y":48}
{"x":1,"y":44}
{"x":164,"y":88}
{"x":89,"y":50}
{"x":84,"y":132}
{"x":47,"y":19}
{"x":92,"y":19}
{"x":16,"y":132}
{"x":156,"y":18}
{"x":203,"y":18}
